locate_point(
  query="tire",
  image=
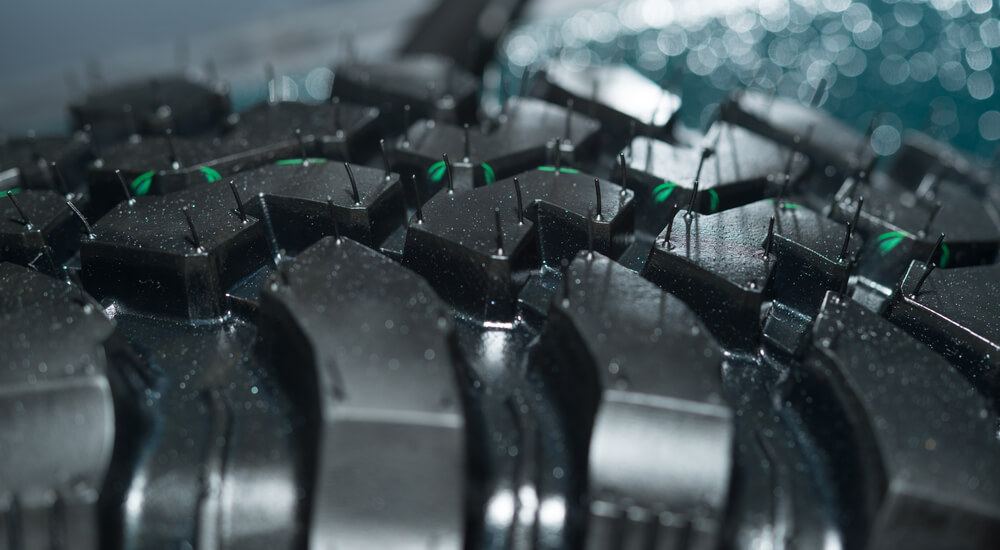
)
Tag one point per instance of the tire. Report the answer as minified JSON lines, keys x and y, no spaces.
{"x":303,"y":326}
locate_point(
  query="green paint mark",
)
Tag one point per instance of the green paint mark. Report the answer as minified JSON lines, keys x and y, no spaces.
{"x":662,"y":192}
{"x":889,"y":240}
{"x":286,"y":162}
{"x":140,"y":185}
{"x":713,"y":200}
{"x":789,"y":205}
{"x":945,"y":255}
{"x":12,"y":191}
{"x":437,"y":171}
{"x":553,"y":169}
{"x":488,"y":173}
{"x":210,"y":174}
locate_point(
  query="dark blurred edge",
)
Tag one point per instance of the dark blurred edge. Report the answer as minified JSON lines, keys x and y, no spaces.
{"x":464,"y":30}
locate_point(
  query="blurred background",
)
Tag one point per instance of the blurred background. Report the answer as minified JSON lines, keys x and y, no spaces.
{"x":919,"y":64}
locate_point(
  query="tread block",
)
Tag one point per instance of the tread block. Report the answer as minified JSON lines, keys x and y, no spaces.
{"x":743,"y":168}
{"x":297,"y":198}
{"x":955,"y":312}
{"x":456,"y":246}
{"x":925,"y":439}
{"x":922,"y":156}
{"x":640,"y":377}
{"x":900,"y":225}
{"x":720,"y":258}
{"x":345,"y":131}
{"x":823,"y":138}
{"x":144,"y":255}
{"x":221,"y":465}
{"x":288,"y":208}
{"x":26,"y":163}
{"x":524,"y":140}
{"x":60,"y":389}
{"x":620,"y":97}
{"x":342,"y":301}
{"x":433,"y":86}
{"x":50,"y":235}
{"x":150,"y":107}
{"x":262,"y":135}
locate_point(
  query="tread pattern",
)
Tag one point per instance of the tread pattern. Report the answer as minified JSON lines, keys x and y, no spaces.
{"x":481,"y":265}
{"x":782,"y":120}
{"x":444,"y":92}
{"x":656,"y":383}
{"x":927,"y":439}
{"x":369,"y":408}
{"x":58,"y":401}
{"x":305,"y":326}
{"x":963,"y":331}
{"x":742,"y":168}
{"x":739,"y":257}
{"x":627,"y":102}
{"x":525,"y":139}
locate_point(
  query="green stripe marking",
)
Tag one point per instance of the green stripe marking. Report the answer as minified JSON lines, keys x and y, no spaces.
{"x":210,"y":174}
{"x":286,"y":162}
{"x":713,"y":200}
{"x":488,"y":173}
{"x":436,"y":171}
{"x":889,"y":240}
{"x":140,"y":185}
{"x":945,"y":255}
{"x":12,"y":191}
{"x":662,"y":192}
{"x":553,"y":169}
{"x":789,"y":205}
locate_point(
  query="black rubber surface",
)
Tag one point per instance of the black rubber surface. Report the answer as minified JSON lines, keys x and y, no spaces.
{"x":388,"y":321}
